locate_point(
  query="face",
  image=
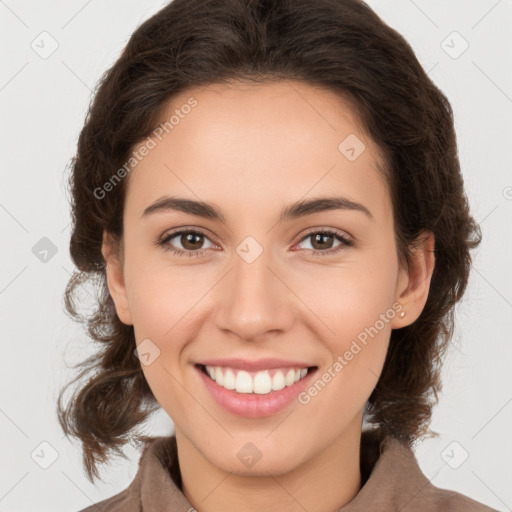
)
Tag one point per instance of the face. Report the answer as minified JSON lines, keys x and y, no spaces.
{"x":252,"y":284}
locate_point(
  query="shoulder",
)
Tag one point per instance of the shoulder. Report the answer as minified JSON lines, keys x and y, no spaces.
{"x":400,"y":484}
{"x":128,"y":500}
{"x":122,"y":502}
{"x":448,"y":500}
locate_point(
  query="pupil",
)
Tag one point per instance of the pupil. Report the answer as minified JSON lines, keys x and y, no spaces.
{"x":321,"y":236}
{"x":189,"y":240}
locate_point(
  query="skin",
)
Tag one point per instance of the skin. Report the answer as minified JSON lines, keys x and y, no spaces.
{"x":252,"y":150}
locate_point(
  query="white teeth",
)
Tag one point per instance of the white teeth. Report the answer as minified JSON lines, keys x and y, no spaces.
{"x":262,"y":383}
{"x":219,"y":378}
{"x":290,"y":378}
{"x":278,"y":381}
{"x":229,"y":380}
{"x":243,"y":382}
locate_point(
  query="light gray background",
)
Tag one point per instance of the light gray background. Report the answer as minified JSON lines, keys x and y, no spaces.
{"x":43,"y":103}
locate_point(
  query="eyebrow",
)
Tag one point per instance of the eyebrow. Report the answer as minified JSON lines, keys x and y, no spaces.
{"x":291,"y":212}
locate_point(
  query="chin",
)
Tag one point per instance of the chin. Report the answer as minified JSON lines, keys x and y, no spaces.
{"x":248,"y":460}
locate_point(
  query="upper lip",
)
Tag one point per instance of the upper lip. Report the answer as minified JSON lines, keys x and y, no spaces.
{"x":254,"y":366}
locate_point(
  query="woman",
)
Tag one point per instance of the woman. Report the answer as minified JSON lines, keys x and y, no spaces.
{"x":270,"y":195}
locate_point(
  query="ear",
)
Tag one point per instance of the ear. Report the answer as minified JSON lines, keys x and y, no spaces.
{"x":414,"y":282}
{"x":115,"y":278}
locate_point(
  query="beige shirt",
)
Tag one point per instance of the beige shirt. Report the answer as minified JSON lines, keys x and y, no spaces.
{"x":391,"y":481}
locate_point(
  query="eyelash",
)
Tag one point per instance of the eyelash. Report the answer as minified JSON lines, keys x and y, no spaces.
{"x":163,"y":242}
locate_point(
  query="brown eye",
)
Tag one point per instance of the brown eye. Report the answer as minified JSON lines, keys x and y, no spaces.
{"x":187,"y":242}
{"x":324,"y":242}
{"x":191,"y":241}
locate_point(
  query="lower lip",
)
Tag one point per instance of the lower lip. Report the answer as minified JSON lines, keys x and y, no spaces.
{"x":252,"y":405}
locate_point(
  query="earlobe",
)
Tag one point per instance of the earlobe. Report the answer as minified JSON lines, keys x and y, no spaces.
{"x":115,"y":279}
{"x":414,"y":282}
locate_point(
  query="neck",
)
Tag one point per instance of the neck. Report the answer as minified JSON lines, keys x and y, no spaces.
{"x":322,"y":483}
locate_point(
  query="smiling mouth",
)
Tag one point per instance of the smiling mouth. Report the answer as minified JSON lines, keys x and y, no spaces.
{"x":260,"y":382}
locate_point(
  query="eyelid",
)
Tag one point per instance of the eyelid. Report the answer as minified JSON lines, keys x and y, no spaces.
{"x":188,"y":229}
{"x":326,"y":229}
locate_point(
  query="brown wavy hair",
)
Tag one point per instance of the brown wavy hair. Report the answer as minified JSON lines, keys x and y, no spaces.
{"x":341,"y":45}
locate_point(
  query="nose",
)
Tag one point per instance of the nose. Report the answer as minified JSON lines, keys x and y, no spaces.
{"x":254,"y":300}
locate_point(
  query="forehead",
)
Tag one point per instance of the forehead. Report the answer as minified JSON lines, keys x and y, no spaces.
{"x":248,"y":143}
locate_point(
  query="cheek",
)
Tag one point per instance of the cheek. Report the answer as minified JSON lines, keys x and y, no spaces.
{"x":160,"y":317}
{"x":164,"y":307}
{"x":355,"y":304}
{"x":351,"y":298}
{"x":161,"y":298}
{"x":359,"y":314}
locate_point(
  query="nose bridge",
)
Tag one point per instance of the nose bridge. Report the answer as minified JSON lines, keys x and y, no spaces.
{"x":254,"y":300}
